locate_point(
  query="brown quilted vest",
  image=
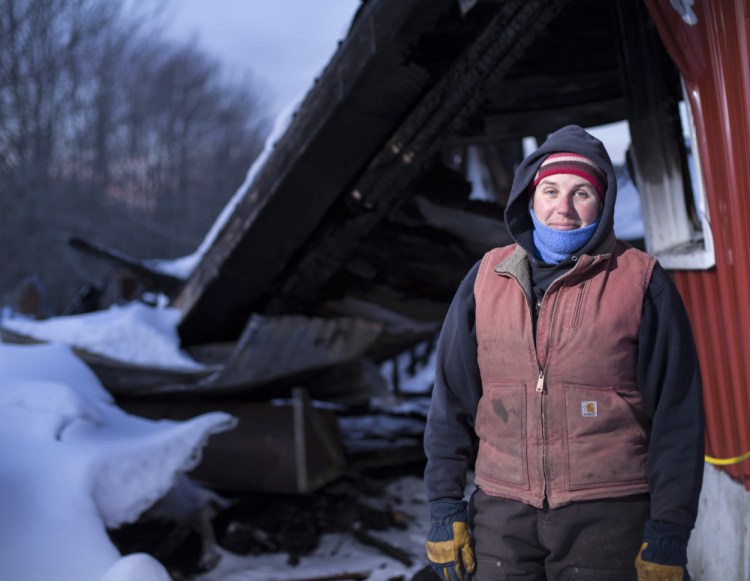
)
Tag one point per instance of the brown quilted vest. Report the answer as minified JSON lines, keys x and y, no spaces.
{"x":559,"y":416}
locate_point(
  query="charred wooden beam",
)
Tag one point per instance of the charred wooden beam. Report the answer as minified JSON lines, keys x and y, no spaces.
{"x":441,"y":113}
{"x":514,"y":124}
{"x":358,"y":101}
{"x":539,"y":89}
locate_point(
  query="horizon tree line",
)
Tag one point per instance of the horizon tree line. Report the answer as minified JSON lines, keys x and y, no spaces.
{"x":112,"y":133}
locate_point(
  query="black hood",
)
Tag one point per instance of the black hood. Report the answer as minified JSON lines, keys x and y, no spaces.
{"x":573,"y":139}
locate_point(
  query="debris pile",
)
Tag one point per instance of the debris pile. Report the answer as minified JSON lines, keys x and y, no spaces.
{"x":363,"y":507}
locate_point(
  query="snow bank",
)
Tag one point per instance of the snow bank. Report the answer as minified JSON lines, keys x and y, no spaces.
{"x":72,"y":463}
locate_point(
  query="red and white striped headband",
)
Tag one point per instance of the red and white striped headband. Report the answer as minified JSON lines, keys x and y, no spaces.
{"x":573,"y":163}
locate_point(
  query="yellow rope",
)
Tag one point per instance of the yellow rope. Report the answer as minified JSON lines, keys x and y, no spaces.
{"x":727,"y":461}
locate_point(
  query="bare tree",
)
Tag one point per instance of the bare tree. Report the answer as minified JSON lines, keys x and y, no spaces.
{"x":111,"y":132}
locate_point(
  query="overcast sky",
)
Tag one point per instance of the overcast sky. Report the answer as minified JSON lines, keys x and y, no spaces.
{"x":284,"y":43}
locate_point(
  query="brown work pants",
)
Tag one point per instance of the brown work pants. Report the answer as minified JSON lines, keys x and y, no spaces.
{"x":594,"y":540}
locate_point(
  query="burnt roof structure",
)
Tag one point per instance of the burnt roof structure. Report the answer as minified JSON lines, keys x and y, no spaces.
{"x":363,"y":208}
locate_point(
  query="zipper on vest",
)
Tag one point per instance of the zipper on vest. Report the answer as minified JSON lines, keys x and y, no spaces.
{"x":540,"y":382}
{"x":544,"y":438}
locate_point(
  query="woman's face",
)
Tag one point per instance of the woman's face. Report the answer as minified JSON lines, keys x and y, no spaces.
{"x":566,"y":202}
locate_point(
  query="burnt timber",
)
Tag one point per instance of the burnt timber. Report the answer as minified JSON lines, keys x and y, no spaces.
{"x":362,"y":209}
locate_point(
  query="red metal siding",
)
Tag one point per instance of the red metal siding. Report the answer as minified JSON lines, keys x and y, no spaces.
{"x":714,"y":59}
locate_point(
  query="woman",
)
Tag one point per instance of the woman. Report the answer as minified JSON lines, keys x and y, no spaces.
{"x":567,"y":372}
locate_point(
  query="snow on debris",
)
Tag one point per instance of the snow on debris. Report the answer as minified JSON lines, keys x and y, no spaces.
{"x":73,"y":463}
{"x":134,"y":333}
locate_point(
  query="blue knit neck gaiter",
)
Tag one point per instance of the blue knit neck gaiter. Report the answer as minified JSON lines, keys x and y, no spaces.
{"x":554,"y":246}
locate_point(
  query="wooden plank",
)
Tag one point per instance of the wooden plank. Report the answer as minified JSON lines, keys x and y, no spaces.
{"x":515,"y":124}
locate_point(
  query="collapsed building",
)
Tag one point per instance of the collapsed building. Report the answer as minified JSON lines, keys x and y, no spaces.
{"x":346,"y":246}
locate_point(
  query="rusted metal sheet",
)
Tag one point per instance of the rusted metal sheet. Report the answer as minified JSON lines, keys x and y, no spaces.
{"x":713,"y":56}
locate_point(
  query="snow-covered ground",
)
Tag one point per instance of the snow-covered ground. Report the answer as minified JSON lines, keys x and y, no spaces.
{"x":73,"y":464}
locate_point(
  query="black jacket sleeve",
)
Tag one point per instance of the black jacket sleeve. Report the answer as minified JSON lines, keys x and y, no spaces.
{"x":449,"y":438}
{"x":669,"y":382}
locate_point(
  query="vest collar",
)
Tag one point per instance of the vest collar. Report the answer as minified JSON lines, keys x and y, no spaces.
{"x":516,"y":264}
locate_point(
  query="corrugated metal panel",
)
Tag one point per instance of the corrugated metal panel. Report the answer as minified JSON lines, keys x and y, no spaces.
{"x":714,"y":58}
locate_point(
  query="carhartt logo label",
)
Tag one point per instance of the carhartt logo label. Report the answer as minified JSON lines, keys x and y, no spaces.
{"x":588,"y":409}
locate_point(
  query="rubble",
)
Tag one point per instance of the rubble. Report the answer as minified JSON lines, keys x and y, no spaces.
{"x":358,"y":506}
{"x":365,"y":505}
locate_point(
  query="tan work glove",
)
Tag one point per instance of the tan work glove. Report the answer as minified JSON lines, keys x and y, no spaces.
{"x":663,"y":554}
{"x":648,"y":571}
{"x":449,"y":545}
